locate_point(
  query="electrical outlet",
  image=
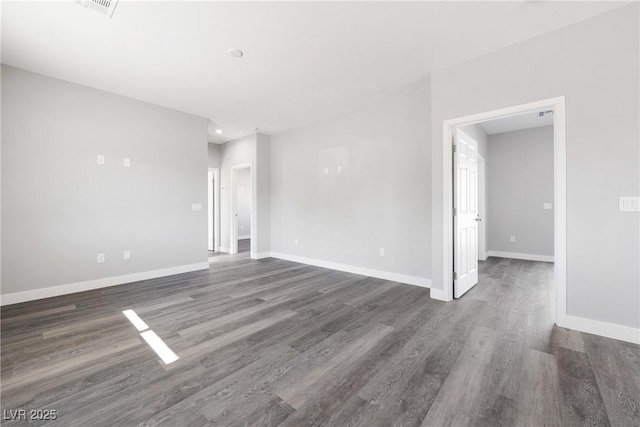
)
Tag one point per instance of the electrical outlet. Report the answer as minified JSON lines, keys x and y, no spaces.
{"x":241,"y":227}
{"x":381,"y":251}
{"x":196,"y":207}
{"x":100,"y":258}
{"x":326,"y":171}
{"x":547,"y":205}
{"x":126,"y":255}
{"x":295,"y":241}
{"x":126,"y":162}
{"x":512,"y":239}
{"x":339,"y":169}
{"x":100,"y":159}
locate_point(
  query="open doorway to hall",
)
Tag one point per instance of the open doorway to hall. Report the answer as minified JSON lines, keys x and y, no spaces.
{"x":460,"y":263}
{"x":503,"y":185}
{"x":242,"y":222}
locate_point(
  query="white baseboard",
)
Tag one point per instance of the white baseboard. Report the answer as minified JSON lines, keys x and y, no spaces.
{"x":516,"y":255}
{"x":439,"y":294}
{"x":71,"y":288}
{"x":262,"y":255}
{"x":380,"y":274}
{"x":597,"y":327}
{"x":223,"y":249}
{"x":248,"y":236}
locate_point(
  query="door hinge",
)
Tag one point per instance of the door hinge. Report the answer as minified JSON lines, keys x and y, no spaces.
{"x":455,"y":148}
{"x":455,"y":211}
{"x":455,"y":276}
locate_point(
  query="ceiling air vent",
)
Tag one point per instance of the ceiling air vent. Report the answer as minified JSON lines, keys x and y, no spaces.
{"x":106,"y":7}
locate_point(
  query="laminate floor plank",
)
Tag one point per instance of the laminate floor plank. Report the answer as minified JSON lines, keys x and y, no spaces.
{"x":582,"y":401}
{"x":272,"y":342}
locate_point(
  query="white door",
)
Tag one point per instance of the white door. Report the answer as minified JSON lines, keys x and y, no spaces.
{"x":210,"y":215}
{"x":465,"y":219}
{"x":482,"y":210}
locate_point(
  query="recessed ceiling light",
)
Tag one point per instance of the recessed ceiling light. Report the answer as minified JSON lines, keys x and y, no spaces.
{"x":255,"y":129}
{"x":236,"y":53}
{"x":218,"y":131}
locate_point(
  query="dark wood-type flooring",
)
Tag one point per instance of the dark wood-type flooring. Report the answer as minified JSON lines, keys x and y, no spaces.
{"x":272,"y":342}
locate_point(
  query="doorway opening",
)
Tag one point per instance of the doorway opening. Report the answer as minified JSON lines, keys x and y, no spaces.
{"x":213,"y":210}
{"x":463,"y":237}
{"x":242,"y":221}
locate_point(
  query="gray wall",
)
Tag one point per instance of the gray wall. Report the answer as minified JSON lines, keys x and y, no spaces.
{"x":379,"y":200}
{"x":213,"y":155}
{"x":243,"y":206}
{"x":253,"y":149}
{"x":595,"y":64}
{"x":263,"y":190}
{"x":60,"y":209}
{"x":233,"y":153}
{"x":521,"y":180}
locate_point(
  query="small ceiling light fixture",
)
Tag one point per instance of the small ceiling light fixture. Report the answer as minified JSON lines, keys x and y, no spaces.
{"x":254,"y":129}
{"x":236,"y":53}
{"x":219,"y":131}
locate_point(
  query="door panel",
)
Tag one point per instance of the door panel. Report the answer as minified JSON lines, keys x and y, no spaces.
{"x":465,"y":221}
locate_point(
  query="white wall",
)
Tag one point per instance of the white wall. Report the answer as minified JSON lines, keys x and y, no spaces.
{"x":595,"y":65}
{"x":243,"y":204}
{"x":520,"y":179}
{"x":379,"y":200}
{"x":60,"y":208}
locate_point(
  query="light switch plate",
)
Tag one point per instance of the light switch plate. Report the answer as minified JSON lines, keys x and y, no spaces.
{"x":629,"y":204}
{"x":100,"y":159}
{"x":126,"y":255}
{"x":100,"y":258}
{"x":126,"y":162}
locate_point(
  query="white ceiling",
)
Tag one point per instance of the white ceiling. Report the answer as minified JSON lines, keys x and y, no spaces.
{"x":518,"y":122}
{"x":303,"y":61}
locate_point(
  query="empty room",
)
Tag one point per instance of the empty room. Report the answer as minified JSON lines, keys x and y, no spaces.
{"x":320,"y":213}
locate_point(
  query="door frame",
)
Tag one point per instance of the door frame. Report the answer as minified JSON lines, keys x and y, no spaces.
{"x":233,"y":231}
{"x":560,"y":197}
{"x":482,"y":207}
{"x":213,"y":202}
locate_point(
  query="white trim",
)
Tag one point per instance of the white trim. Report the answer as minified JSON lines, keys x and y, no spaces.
{"x":216,"y":209}
{"x":224,"y":249}
{"x":560,"y":196}
{"x":605,"y":329}
{"x":380,"y":274}
{"x":213,"y":203}
{"x":71,"y":288}
{"x":262,"y":255}
{"x":438,"y":294}
{"x":516,"y":255}
{"x":246,"y":236}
